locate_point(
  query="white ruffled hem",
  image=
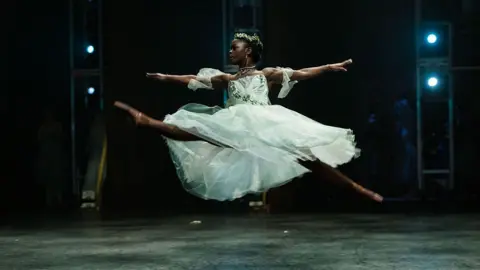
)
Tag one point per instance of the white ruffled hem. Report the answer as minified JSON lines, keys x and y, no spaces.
{"x":263,"y":143}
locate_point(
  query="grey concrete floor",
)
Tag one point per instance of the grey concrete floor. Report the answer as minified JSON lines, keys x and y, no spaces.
{"x":337,"y":242}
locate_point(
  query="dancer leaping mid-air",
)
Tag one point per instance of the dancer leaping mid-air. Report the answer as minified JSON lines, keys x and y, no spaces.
{"x":250,"y":146}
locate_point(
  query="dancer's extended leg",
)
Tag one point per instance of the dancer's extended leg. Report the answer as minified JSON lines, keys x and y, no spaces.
{"x":176,"y":133}
{"x":167,"y":130}
{"x":325,"y":170}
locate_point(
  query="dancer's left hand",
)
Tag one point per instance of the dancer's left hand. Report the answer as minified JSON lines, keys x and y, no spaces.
{"x":341,"y":66}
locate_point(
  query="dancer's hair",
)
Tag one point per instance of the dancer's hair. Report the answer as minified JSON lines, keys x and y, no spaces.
{"x":253,"y":42}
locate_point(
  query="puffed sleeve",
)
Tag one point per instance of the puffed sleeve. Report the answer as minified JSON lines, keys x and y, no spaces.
{"x":287,"y":84}
{"x":203,"y":80}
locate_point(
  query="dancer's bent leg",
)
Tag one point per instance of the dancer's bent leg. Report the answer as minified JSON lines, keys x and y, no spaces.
{"x":170,"y":131}
{"x":325,"y":170}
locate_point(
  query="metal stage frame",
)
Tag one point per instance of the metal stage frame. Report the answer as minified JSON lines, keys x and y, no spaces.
{"x":441,"y":64}
{"x":85,"y":69}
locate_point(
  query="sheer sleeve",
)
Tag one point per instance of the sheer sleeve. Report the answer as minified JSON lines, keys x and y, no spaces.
{"x":287,"y":84}
{"x":203,"y":80}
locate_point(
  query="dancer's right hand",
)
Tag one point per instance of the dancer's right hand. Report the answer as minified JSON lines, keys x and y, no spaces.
{"x":156,"y":76}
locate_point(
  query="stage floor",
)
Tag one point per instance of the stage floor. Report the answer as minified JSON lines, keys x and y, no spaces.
{"x":337,"y":242}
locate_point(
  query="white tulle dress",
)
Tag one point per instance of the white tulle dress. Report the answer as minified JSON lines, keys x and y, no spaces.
{"x":252,"y":145}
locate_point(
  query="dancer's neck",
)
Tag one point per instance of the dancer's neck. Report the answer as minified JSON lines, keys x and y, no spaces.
{"x":247,"y":64}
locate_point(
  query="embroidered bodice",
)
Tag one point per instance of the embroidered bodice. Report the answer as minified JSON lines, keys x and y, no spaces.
{"x":251,"y":89}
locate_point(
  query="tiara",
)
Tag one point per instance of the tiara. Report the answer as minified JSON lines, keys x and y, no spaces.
{"x":254,"y":39}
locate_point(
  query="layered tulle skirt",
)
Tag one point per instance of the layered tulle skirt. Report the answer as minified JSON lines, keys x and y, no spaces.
{"x":250,"y":149}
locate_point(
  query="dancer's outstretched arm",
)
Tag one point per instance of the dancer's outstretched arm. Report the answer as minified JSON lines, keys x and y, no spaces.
{"x":276,"y":75}
{"x":217,"y":82}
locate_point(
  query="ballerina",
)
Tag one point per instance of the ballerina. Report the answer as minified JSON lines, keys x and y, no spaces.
{"x":250,"y":146}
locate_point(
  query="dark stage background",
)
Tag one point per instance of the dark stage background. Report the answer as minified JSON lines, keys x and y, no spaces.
{"x":180,"y":37}
{"x":35,"y":79}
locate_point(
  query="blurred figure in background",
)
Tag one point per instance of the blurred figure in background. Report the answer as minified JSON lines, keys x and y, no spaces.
{"x":52,"y":160}
{"x":372,"y":142}
{"x":405,"y":154}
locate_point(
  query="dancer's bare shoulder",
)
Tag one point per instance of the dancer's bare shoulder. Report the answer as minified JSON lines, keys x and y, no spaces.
{"x":273,"y":74}
{"x":221,"y":80}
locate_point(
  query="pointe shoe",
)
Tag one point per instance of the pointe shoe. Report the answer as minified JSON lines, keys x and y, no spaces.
{"x":372,"y":195}
{"x":377,"y":197}
{"x":139,"y":117}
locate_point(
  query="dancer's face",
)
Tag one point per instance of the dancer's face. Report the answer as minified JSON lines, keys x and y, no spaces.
{"x":239,"y":51}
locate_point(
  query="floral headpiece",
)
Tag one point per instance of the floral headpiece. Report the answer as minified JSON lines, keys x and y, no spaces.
{"x":252,"y":39}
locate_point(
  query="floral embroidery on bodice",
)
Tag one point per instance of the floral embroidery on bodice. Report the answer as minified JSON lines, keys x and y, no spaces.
{"x":251,"y":89}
